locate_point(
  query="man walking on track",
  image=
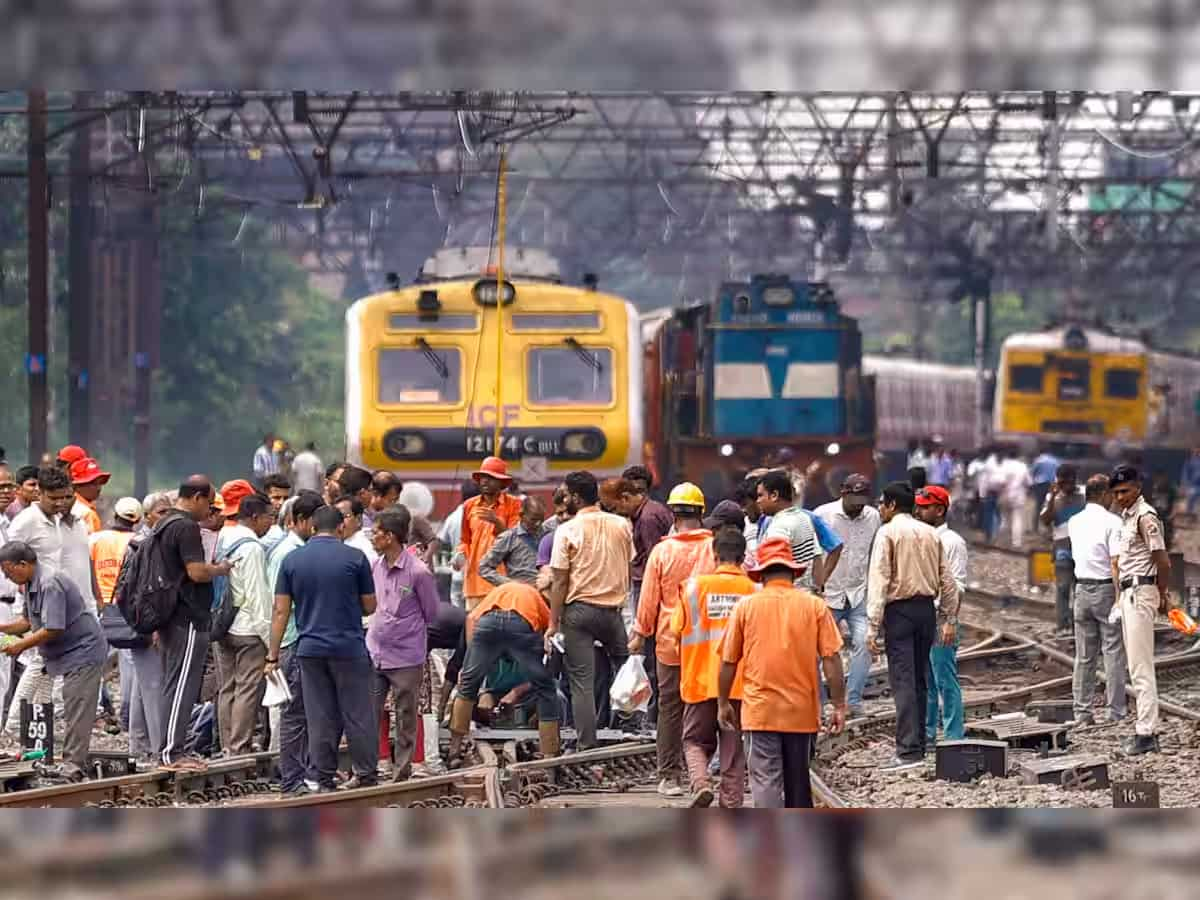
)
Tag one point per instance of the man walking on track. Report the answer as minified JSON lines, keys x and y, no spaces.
{"x":779,"y":635}
{"x":699,"y":623}
{"x":908,"y":571}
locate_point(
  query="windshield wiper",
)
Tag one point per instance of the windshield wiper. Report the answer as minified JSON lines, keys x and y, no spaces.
{"x":439,"y":364}
{"x":588,"y":358}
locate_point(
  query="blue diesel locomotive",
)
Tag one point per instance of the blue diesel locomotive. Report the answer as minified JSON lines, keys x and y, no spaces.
{"x":769,"y":373}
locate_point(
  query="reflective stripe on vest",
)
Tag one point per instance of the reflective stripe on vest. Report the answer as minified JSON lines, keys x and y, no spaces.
{"x":694,"y":636}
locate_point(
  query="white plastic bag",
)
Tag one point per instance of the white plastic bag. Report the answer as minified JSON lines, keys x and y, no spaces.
{"x":631,"y":688}
{"x":277,"y":692}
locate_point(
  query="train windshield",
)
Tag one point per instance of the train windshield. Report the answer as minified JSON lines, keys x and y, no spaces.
{"x":1122,"y":384}
{"x":572,"y":375}
{"x":421,"y":375}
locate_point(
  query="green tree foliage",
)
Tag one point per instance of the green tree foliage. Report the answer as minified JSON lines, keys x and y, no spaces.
{"x":951,"y":338}
{"x":247,"y":347}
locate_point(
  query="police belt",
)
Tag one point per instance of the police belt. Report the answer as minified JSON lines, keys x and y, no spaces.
{"x":1138,"y":581}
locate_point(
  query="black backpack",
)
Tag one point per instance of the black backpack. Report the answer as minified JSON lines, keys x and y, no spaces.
{"x":224,"y":610}
{"x":144,"y":594}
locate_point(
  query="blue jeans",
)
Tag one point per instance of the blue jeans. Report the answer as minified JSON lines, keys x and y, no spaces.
{"x":991,"y":517}
{"x":860,"y":657}
{"x":943,"y":686}
{"x":503,"y":632}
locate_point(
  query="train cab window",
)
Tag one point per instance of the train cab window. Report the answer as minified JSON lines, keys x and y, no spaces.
{"x":1025,"y":379}
{"x":420,"y":375}
{"x":1074,"y":379}
{"x":569,"y":376}
{"x":567,"y":322}
{"x":1122,"y":384}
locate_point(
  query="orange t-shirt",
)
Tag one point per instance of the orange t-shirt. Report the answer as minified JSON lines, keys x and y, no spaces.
{"x":108,"y":549}
{"x":523,"y":599}
{"x":670,"y":564}
{"x":478,"y":537}
{"x":779,"y":634}
{"x":699,"y":621}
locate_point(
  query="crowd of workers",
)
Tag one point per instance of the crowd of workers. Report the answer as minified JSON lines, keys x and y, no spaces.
{"x":322,"y":582}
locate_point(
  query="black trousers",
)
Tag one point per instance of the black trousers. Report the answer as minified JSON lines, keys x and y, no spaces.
{"x":184,"y":651}
{"x":909,"y":630}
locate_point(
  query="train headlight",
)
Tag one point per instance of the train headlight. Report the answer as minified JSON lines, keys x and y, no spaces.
{"x":833,"y":449}
{"x":485,"y":293}
{"x":778,"y":296}
{"x":727,"y":449}
{"x":583,"y":444}
{"x":398,"y":444}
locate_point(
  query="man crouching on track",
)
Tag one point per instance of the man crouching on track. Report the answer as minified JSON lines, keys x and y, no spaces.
{"x":510,"y":620}
{"x":69,"y":638}
{"x":1144,"y":571}
{"x":699,"y":622}
{"x":778,"y":635}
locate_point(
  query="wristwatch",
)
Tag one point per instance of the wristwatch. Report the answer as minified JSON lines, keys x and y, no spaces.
{"x":952,"y":620}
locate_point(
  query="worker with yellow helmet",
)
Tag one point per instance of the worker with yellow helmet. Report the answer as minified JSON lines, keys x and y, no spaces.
{"x":682,"y":555}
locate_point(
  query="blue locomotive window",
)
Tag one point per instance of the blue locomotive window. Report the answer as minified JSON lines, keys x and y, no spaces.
{"x":1026,"y":379}
{"x":420,"y":375}
{"x":569,"y":376}
{"x":1122,"y":384}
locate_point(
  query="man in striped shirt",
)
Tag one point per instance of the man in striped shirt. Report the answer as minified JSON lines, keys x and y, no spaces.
{"x":809,"y":537}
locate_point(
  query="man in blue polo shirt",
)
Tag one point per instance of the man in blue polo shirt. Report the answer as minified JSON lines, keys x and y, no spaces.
{"x":330,"y":586}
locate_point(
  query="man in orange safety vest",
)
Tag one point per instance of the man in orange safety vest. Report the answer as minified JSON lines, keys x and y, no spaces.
{"x":699,"y":622}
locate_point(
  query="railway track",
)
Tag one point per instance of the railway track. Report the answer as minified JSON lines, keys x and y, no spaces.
{"x":225,"y":779}
{"x":624,"y":774}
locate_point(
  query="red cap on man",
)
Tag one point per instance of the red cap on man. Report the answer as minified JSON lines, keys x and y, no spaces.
{"x":71,"y":454}
{"x":495,"y":467}
{"x":88,"y":471}
{"x":933,"y":495}
{"x":233,"y":493}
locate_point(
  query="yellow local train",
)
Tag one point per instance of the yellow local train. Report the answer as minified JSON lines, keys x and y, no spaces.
{"x":421,"y":374}
{"x":1090,"y":389}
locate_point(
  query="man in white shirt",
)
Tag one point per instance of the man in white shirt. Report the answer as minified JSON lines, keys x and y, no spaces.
{"x":242,"y":653}
{"x":355,"y":535}
{"x":989,"y":483}
{"x":1015,"y":495}
{"x":308,"y":472}
{"x":1095,"y":536}
{"x":855,"y":522}
{"x":450,"y":534}
{"x":932,"y":507}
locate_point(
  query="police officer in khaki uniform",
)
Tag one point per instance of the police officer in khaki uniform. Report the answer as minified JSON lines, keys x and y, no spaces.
{"x":1143,"y":571}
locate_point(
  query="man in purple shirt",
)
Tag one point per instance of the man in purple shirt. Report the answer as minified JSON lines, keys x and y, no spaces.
{"x":406,"y":598}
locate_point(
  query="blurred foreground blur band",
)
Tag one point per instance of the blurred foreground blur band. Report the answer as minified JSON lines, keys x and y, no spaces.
{"x":614,"y":45}
{"x":598,"y":854}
